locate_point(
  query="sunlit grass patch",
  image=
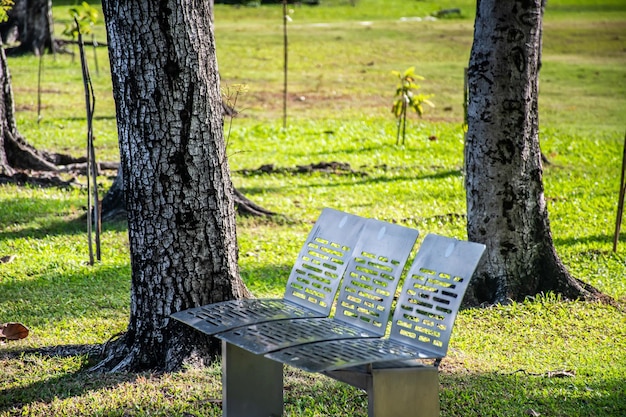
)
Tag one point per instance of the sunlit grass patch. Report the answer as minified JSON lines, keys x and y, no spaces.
{"x":547,"y":355}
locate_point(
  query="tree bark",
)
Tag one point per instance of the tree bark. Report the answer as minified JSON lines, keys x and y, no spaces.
{"x":7,"y":119}
{"x":30,"y":23}
{"x":178,"y":192}
{"x":506,"y":205}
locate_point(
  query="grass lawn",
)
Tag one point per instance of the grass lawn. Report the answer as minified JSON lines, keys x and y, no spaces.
{"x":545,"y":355}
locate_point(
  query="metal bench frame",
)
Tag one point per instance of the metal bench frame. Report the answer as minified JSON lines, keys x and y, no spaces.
{"x":394,"y":371}
{"x":253,"y":384}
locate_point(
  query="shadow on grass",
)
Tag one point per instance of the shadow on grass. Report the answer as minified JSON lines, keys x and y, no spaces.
{"x":53,"y":296}
{"x":604,"y":239}
{"x":266,"y":280}
{"x":47,"y":388}
{"x":516,"y":394}
{"x":461,"y":394}
{"x":350,"y":183}
{"x":124,"y":394}
{"x":45,"y":214}
{"x":66,"y":387}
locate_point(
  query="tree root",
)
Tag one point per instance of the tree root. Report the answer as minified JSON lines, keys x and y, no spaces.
{"x":245,"y":207}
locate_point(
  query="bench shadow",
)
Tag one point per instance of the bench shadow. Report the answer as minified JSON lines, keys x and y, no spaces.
{"x":59,"y":226}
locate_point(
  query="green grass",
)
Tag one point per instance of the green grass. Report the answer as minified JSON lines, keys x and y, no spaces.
{"x":341,"y":91}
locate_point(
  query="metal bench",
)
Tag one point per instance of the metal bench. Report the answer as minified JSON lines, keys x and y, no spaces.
{"x":311,"y":287}
{"x":393,"y":370}
{"x":253,"y":385}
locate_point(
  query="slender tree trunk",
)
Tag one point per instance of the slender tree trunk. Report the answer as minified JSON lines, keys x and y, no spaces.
{"x":505,"y":196}
{"x":176,"y":181}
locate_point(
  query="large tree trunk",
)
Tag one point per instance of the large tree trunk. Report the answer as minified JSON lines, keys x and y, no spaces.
{"x":179,"y":196}
{"x":30,"y":23}
{"x":505,"y":197}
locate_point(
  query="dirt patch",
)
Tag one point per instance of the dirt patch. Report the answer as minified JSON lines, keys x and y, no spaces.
{"x":333,"y":167}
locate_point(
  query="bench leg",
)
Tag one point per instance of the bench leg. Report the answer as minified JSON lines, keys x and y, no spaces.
{"x":407,"y":392}
{"x":252,"y":385}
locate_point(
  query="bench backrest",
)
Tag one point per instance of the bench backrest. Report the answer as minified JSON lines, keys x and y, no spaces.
{"x":432,"y":293}
{"x":317,"y":272}
{"x":371,"y":278}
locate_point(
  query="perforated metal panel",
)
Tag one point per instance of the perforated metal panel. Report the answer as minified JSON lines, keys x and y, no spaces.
{"x":432,"y":293}
{"x":311,"y":287}
{"x":270,"y":336}
{"x":364,"y":303}
{"x":371,"y":279}
{"x":219,"y":317}
{"x":318,"y":270}
{"x":423,"y":318}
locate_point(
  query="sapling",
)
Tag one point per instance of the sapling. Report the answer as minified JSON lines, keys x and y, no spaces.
{"x":84,"y":17}
{"x":407,"y":97}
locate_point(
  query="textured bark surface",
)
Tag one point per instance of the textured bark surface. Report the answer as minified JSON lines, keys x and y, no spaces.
{"x":30,"y":23}
{"x":181,"y":216}
{"x":505,"y":196}
{"x":6,"y":106}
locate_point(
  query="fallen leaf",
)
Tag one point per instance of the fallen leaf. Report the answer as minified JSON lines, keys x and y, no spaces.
{"x":13,"y":331}
{"x":7,"y":259}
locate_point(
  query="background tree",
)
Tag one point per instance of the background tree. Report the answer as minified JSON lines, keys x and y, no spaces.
{"x":176,"y":181}
{"x":15,"y":152}
{"x":29,"y":23}
{"x":506,"y":206}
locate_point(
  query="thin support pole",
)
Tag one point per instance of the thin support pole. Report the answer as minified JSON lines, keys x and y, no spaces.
{"x":92,"y":171}
{"x":39,"y":87}
{"x":620,"y":204}
{"x":95,"y":53}
{"x":465,"y":116}
{"x":285,"y":66}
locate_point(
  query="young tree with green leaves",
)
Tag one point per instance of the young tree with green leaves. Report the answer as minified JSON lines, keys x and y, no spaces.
{"x":407,"y":98}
